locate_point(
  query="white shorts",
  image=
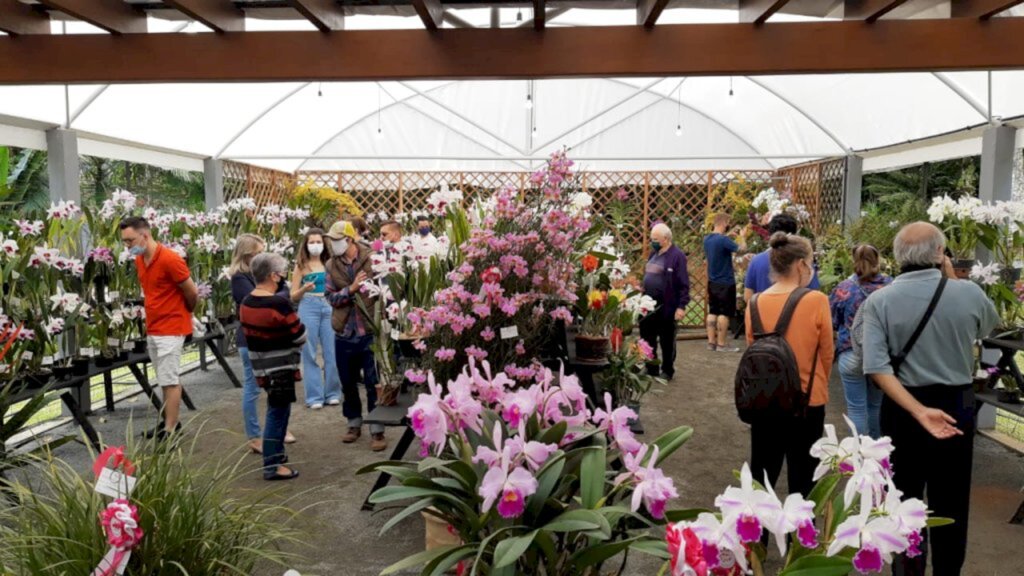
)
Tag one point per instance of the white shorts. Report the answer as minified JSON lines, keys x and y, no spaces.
{"x":165,"y":353}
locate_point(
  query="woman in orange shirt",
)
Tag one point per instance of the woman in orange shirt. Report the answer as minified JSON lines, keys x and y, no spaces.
{"x":778,"y":436}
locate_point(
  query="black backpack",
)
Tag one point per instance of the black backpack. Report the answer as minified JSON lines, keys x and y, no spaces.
{"x":768,"y":377}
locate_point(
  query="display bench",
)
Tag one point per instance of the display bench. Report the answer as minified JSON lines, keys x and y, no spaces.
{"x":76,"y":394}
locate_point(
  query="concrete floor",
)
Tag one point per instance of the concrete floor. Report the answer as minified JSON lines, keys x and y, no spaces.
{"x":343,"y":540}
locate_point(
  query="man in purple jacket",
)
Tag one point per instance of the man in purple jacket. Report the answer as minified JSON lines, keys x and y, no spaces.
{"x":667,"y":281}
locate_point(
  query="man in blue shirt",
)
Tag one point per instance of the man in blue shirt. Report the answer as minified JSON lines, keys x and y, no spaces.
{"x":718,"y":250}
{"x":758,"y":279}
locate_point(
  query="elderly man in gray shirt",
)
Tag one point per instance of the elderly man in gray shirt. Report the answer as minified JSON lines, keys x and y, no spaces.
{"x":928,"y":410}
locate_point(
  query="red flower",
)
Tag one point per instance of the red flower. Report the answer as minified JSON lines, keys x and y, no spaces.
{"x":616,"y":339}
{"x":491,"y":275}
{"x":590,"y":263}
{"x":683,"y":540}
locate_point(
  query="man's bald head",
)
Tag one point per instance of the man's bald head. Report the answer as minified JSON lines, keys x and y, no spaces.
{"x":919,"y":244}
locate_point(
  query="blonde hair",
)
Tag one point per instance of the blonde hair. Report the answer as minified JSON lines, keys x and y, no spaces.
{"x":246,"y":247}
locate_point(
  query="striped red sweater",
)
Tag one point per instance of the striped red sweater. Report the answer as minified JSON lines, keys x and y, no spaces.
{"x":274,"y":335}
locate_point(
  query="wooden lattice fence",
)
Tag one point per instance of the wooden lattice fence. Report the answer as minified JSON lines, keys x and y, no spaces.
{"x":628,"y":202}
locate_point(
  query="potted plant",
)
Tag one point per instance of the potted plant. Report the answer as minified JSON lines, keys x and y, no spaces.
{"x":627,"y":377}
{"x":999,"y":228}
{"x":957,"y":219}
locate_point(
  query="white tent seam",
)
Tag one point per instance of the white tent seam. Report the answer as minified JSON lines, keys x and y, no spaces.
{"x":845,"y":149}
{"x":259,"y":117}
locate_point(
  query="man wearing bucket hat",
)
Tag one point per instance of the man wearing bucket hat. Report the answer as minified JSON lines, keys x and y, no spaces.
{"x":348,"y":268}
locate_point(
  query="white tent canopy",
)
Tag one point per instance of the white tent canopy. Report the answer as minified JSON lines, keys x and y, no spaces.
{"x":609,"y":124}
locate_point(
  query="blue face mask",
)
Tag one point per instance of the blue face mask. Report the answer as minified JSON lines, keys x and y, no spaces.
{"x":425,"y":231}
{"x":137,"y":250}
{"x":656,"y":246}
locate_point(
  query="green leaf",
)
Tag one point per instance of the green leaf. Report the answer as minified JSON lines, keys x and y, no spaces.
{"x":554,"y":434}
{"x":575,"y":521}
{"x":684,"y":515}
{"x":937,"y":521}
{"x":442,"y":564}
{"x":822,"y":492}
{"x":377,"y":465}
{"x":509,"y":550}
{"x":670,"y":441}
{"x":592,"y":470}
{"x":597,"y":554}
{"x":656,"y":548}
{"x":418,"y":559}
{"x":819,"y":566}
{"x":405,"y":513}
{"x":546,"y":481}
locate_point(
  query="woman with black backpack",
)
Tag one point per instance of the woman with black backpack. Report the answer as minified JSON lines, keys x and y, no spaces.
{"x":782,"y":381}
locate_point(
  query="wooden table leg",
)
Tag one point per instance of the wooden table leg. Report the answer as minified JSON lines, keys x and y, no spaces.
{"x":83,"y":421}
{"x":400,"y":449}
{"x":224,"y":363}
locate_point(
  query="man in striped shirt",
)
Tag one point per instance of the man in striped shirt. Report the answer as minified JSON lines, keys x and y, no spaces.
{"x":275,"y":337}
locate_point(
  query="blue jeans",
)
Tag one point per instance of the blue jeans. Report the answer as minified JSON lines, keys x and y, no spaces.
{"x":863,"y":399}
{"x":250,"y":394}
{"x":273,"y":437}
{"x":353,"y":354}
{"x":315,"y":314}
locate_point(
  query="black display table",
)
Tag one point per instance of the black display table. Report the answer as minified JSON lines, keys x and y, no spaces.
{"x":392,"y":417}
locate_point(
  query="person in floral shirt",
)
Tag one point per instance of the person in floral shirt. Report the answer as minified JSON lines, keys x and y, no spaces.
{"x":863,"y":401}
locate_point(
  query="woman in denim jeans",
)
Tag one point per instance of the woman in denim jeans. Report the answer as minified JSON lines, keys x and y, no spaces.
{"x":323,"y":386}
{"x":863,"y":400}
{"x":247,"y":246}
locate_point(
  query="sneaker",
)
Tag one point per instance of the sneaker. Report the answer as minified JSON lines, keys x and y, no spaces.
{"x":352,"y":435}
{"x":289,"y":439}
{"x":731,"y":349}
{"x":377,"y":442}
{"x":316,"y":406}
{"x":712,"y":347}
{"x":333,"y":402}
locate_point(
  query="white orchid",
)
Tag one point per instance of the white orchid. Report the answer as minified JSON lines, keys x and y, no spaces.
{"x":986,"y":274}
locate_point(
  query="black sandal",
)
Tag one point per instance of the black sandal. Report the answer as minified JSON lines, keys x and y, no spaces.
{"x":294,"y":474}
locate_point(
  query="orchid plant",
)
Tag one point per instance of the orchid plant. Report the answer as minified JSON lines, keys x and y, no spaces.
{"x":958,"y":221}
{"x":837,"y":529}
{"x":528,"y":477}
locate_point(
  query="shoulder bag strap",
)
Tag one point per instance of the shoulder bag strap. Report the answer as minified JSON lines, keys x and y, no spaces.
{"x":924,"y":320}
{"x":787,"y":311}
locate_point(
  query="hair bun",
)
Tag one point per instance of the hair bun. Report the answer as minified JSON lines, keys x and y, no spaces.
{"x":778,"y":240}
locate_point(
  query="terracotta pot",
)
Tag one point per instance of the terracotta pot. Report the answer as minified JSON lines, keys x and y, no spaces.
{"x":437,"y":533}
{"x":387,"y":395}
{"x":590,"y":348}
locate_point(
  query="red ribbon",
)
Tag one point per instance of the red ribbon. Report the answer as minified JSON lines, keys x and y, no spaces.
{"x":113,"y":455}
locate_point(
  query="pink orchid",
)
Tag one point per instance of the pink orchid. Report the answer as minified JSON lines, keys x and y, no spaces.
{"x":520,"y":348}
{"x":464,"y":409}
{"x":534,"y":453}
{"x":616,"y":424}
{"x":428,"y":419}
{"x":518,"y":405}
{"x":510,"y":489}
{"x":750,"y":509}
{"x":489,"y":389}
{"x":876,"y":539}
{"x":721,"y":547}
{"x":444,"y":354}
{"x":487,"y":334}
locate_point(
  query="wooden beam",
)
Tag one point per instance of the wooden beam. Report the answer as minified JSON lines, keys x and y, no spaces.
{"x":539,"y":14}
{"x":324,"y":14}
{"x":114,"y":16}
{"x":869,"y":10}
{"x":218,"y":15}
{"x":983,"y":9}
{"x":599,"y":51}
{"x":18,"y":18}
{"x":759,"y":11}
{"x":430,"y":11}
{"x":648,"y":11}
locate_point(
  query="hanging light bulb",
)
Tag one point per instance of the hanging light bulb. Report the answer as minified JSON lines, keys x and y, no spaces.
{"x":529,"y":101}
{"x":534,"y":128}
{"x":679,"y":129}
{"x":320,"y":89}
{"x":380,"y":134}
{"x":519,"y":15}
{"x":730,"y":85}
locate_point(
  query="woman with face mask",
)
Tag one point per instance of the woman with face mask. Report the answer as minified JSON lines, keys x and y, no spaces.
{"x":322,"y":385}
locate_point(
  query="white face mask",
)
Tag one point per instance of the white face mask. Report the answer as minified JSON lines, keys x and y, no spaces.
{"x":339,"y":247}
{"x":315,"y":249}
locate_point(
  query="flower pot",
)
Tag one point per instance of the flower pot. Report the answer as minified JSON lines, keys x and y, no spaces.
{"x":226,"y":320}
{"x":1009,"y":275}
{"x":1008,"y":396}
{"x":104,"y":361}
{"x":407,"y":349}
{"x":962,"y":268}
{"x":591,"y":348}
{"x":438,"y":533}
{"x":80,"y":366}
{"x":387,"y":395}
{"x":38,"y":380}
{"x":634,"y":423}
{"x":61,"y":373}
{"x":122,"y":355}
{"x":139,"y":346}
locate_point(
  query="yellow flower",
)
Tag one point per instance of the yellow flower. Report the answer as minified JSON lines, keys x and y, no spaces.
{"x":618,"y":295}
{"x":596,"y":299}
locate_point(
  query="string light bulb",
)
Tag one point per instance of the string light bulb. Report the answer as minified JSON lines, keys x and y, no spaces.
{"x":529,"y":101}
{"x":679,"y":129}
{"x":730,"y":86}
{"x":380,"y":134}
{"x":320,"y":89}
{"x":519,"y":15}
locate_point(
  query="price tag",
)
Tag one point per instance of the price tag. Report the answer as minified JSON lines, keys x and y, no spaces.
{"x":108,"y":561}
{"x":509,"y":332}
{"x":28,"y":355}
{"x":47,"y":360}
{"x":87,"y":352}
{"x":15,"y":274}
{"x":395,"y":334}
{"x":115,"y":484}
{"x":113,"y":295}
{"x":113,"y":342}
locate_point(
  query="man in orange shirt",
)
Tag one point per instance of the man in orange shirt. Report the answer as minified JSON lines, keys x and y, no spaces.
{"x":170,"y":297}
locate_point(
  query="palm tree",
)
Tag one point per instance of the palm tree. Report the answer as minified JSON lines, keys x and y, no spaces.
{"x":24,"y":183}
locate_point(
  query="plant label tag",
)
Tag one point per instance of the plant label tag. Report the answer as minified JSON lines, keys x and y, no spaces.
{"x":28,"y":355}
{"x":115,"y":484}
{"x":394,"y":334}
{"x":509,"y":332}
{"x":47,"y":360}
{"x":15,"y":274}
{"x":113,"y":295}
{"x":108,"y":562}
{"x":113,"y":342}
{"x":87,"y":352}
{"x":4,"y":368}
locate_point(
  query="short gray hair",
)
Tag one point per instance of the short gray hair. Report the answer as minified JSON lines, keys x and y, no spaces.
{"x":663,"y":230}
{"x":918,"y":244}
{"x":267,"y":263}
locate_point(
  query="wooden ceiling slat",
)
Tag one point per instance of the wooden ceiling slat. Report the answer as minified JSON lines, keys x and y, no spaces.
{"x":430,"y":11}
{"x":114,"y":16}
{"x":324,"y":14}
{"x":218,"y":15}
{"x":648,"y":12}
{"x":983,"y":9}
{"x":18,"y":18}
{"x":759,"y":11}
{"x":601,"y":51}
{"x":869,"y":10}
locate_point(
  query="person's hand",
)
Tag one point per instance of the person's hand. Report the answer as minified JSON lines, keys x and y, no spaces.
{"x":938,"y":423}
{"x":947,"y":268}
{"x":308,"y":287}
{"x":360,"y":278}
{"x":679,"y":314}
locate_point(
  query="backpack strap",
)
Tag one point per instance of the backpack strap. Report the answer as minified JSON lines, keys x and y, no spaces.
{"x":787,"y":311}
{"x":897,"y":361}
{"x":756,"y":326}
